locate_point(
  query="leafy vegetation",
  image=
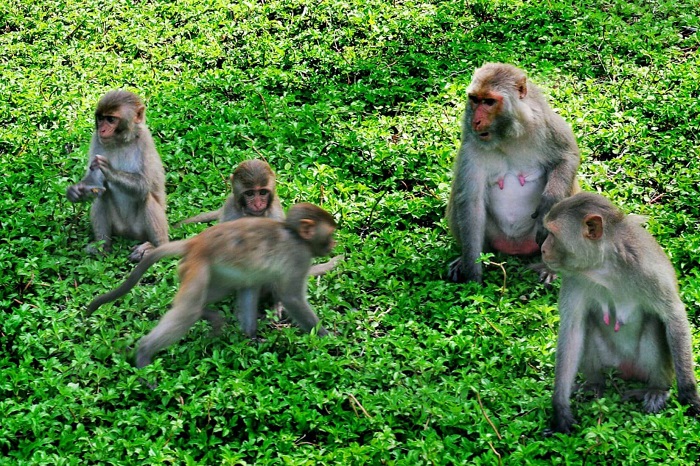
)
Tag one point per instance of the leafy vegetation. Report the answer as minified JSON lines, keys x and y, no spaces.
{"x":356,"y":106}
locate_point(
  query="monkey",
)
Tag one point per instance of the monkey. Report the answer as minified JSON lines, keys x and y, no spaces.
{"x":619,"y":307}
{"x":125,"y":178}
{"x":243,"y":255}
{"x":516,"y":159}
{"x":253,"y":194}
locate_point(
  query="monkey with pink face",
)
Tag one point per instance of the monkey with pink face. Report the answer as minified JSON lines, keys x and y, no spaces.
{"x":125,"y":177}
{"x":517,"y":158}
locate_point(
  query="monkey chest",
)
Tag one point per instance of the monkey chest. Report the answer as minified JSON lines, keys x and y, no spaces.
{"x":512,"y":198}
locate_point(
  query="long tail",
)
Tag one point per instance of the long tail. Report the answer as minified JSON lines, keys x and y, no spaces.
{"x":173,"y":248}
{"x":205,"y":217}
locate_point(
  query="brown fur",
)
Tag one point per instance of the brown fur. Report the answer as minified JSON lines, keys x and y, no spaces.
{"x":243,"y":256}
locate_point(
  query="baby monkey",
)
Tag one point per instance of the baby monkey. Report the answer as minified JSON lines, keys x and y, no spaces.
{"x":244,"y":255}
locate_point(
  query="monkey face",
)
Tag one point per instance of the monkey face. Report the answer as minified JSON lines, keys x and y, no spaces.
{"x":323,"y":241}
{"x":107,"y":123}
{"x":485,"y":109}
{"x":256,"y":201}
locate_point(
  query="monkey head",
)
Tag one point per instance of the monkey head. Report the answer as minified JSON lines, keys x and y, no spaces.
{"x":577,"y":230}
{"x":253,"y":184}
{"x":313,"y":225}
{"x":117,"y":117}
{"x":493,"y":97}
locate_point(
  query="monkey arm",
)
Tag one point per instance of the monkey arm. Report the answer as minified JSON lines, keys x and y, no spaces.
{"x":572,"y":312}
{"x":561,"y":183}
{"x":680,"y":343}
{"x":466,"y":217}
{"x":320,"y":269}
{"x":133,"y":183}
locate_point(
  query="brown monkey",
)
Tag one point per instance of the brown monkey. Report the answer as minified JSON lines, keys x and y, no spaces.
{"x":619,"y":307}
{"x":243,"y":255}
{"x":517,"y":158}
{"x":253,"y":195}
{"x":124,"y":175}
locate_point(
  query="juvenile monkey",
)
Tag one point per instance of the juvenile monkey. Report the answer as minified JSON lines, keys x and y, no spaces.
{"x":124,"y":176}
{"x":253,"y":195}
{"x":619,"y":307}
{"x":517,"y":158}
{"x":243,"y":256}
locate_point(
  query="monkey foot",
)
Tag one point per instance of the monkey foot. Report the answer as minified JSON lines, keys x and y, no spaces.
{"x":139,"y":251}
{"x":653,"y":400}
{"x":546,"y":276}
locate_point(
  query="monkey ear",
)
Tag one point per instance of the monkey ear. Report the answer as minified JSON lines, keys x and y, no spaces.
{"x":140,"y":112}
{"x":522,"y":87}
{"x":594,"y":226}
{"x":307,"y":229}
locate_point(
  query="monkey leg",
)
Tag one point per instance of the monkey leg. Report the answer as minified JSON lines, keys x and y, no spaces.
{"x":298,"y":308}
{"x":653,"y":364}
{"x":101,"y":221}
{"x":592,"y":368}
{"x":187,"y":309}
{"x":247,"y":310}
{"x":156,"y":222}
{"x":156,"y":230}
{"x":156,"y":225}
{"x":216,"y":320}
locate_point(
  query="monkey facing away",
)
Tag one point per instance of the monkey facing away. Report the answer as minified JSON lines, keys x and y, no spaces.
{"x":125,"y":177}
{"x":243,"y":256}
{"x":517,"y":158}
{"x":619,"y":307}
{"x":253,"y":195}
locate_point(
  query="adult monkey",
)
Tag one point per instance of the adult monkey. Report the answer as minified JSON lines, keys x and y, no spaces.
{"x":125,"y":177}
{"x":243,"y":255}
{"x":253,"y":195}
{"x":619,"y":307}
{"x":517,"y":158}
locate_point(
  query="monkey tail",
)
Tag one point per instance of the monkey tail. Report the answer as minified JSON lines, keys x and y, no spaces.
{"x":173,"y":248}
{"x":205,"y":217}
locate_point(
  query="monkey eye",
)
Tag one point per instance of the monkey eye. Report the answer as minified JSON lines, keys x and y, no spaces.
{"x":110,"y":119}
{"x":264,"y":192}
{"x":249,"y":193}
{"x":490,"y":102}
{"x":473,"y":99}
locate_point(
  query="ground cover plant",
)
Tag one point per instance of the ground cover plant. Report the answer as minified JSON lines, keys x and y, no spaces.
{"x":356,"y":106}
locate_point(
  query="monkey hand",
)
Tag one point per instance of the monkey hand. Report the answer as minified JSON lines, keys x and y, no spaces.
{"x":103,"y":164}
{"x":545,"y":205}
{"x":563,"y":422}
{"x":689,"y":397}
{"x":139,"y":251}
{"x":76,"y":192}
{"x":547,"y":276}
{"x":458,"y":274}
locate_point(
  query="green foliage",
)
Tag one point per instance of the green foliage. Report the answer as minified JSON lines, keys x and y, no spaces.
{"x":356,"y":106}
